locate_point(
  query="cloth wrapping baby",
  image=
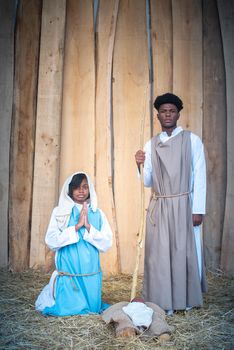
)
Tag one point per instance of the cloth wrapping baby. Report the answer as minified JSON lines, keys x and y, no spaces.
{"x":128,"y":321}
{"x":140,"y":314}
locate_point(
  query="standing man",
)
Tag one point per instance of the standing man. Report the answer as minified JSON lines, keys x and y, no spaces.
{"x":174,"y":167}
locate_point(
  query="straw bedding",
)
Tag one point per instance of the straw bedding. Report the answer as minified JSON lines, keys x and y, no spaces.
{"x":21,"y":327}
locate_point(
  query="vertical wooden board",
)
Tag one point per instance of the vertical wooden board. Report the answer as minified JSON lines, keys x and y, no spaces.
{"x":214,"y":133}
{"x":23,"y":131}
{"x":78,"y":111}
{"x":187,"y":61}
{"x":226,"y":15}
{"x":46,"y":161}
{"x":107,"y":16}
{"x":161,"y":36}
{"x":130,"y":102}
{"x":7,"y":15}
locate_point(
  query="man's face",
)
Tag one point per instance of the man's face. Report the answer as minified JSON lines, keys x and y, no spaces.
{"x":168,"y":115}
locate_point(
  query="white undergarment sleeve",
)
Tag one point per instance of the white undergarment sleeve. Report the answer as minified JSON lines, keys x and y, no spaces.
{"x":198,"y":242}
{"x":56,"y":238}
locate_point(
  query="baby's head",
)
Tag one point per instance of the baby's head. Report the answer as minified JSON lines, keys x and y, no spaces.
{"x":137,"y":300}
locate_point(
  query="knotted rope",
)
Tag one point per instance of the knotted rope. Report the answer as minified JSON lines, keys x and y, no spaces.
{"x":62,"y":273}
{"x":155,"y":196}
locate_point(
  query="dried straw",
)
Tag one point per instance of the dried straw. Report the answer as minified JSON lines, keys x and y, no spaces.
{"x":21,"y":327}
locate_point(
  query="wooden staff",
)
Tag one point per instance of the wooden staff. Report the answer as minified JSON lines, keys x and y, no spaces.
{"x":109,"y":163}
{"x":142,"y":217}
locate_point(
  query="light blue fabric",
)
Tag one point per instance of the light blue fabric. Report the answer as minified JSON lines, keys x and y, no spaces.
{"x":78,"y":295}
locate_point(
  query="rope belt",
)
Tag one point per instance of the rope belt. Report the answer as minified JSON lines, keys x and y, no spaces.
{"x":155,"y":196}
{"x":62,"y":273}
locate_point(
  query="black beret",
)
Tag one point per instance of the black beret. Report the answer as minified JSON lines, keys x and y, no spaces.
{"x":168,"y":98}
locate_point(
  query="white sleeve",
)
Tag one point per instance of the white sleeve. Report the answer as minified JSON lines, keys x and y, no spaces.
{"x":148,"y":165}
{"x":102,"y":239}
{"x":198,"y":176}
{"x":56,"y":238}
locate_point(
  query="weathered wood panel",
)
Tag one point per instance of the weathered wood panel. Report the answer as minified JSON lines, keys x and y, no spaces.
{"x":7,"y":15}
{"x":177,"y":66}
{"x":161,"y":34}
{"x":226,"y":15}
{"x":130,"y":101}
{"x":78,"y":112}
{"x":46,"y":162}
{"x":187,"y":61}
{"x":23,"y":131}
{"x":214,"y":133}
{"x":106,"y":26}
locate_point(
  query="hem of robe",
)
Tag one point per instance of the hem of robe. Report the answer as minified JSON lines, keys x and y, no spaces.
{"x":48,"y":311}
{"x":174,"y":308}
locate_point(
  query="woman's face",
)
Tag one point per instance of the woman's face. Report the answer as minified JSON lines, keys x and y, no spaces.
{"x":81,"y":193}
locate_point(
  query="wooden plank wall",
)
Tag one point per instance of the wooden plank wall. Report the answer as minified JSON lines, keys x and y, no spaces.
{"x":48,"y":124}
{"x":78,"y":119}
{"x":7,"y":15}
{"x":162,"y":51}
{"x":130,"y":101}
{"x":93,"y":90}
{"x":187,"y":61}
{"x":105,"y":39}
{"x":226,"y":15}
{"x":23,"y":131}
{"x":214,"y":132}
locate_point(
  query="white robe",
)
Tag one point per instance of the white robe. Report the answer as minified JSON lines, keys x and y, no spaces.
{"x":198,"y":180}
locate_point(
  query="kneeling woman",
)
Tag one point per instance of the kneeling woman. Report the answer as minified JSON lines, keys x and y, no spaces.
{"x":77,"y":232}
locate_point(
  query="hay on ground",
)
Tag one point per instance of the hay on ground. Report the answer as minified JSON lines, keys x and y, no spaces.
{"x":21,"y":327}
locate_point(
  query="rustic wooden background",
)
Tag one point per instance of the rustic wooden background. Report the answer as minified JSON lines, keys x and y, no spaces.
{"x":77,"y":77}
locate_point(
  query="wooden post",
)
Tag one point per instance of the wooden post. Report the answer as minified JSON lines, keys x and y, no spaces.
{"x":130,"y":80}
{"x":226,"y":15}
{"x":105,"y":36}
{"x":78,"y":111}
{"x":23,"y":131}
{"x":187,"y":61}
{"x":161,"y":37}
{"x":46,"y":161}
{"x":214,"y":133}
{"x":7,"y":16}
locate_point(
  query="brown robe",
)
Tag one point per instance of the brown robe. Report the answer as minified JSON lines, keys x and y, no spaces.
{"x":171,"y":274}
